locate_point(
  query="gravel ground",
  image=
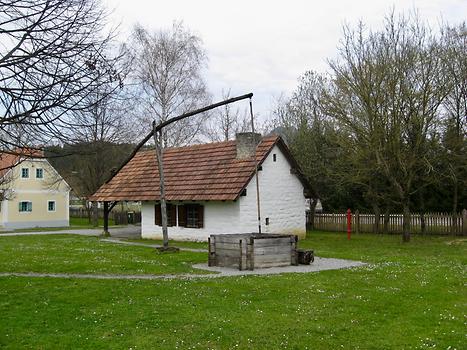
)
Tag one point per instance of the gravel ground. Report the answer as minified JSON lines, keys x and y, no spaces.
{"x":320,"y":264}
{"x":130,"y":231}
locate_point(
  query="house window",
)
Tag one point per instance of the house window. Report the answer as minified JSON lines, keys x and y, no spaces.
{"x":274,"y":157}
{"x":191,"y":215}
{"x":51,"y":206}
{"x":39,"y":173}
{"x":25,"y":173}
{"x":25,"y":206}
{"x":171,"y":215}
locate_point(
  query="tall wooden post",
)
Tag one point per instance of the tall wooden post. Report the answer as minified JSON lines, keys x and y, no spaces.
{"x":258,"y":204}
{"x":158,"y":143}
{"x":106,"y":232}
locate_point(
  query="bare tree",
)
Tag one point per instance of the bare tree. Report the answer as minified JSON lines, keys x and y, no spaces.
{"x":168,"y":68}
{"x":454,"y":41}
{"x":48,"y":50}
{"x":386,"y":97}
{"x":225,"y":122}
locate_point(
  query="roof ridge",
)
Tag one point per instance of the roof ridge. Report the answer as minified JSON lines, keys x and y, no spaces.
{"x":216,"y":143}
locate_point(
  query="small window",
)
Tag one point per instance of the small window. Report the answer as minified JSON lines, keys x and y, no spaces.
{"x":191,"y":216}
{"x":274,"y":157}
{"x":39,"y":173}
{"x":25,"y":173}
{"x":25,"y":206}
{"x":267,"y":221}
{"x":51,"y":206}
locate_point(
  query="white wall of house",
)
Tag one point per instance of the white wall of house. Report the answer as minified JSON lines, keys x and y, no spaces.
{"x":219,"y":217}
{"x":281,"y":197}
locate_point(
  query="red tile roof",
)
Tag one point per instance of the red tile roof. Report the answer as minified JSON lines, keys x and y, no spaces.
{"x":201,"y":172}
{"x":11,"y":158}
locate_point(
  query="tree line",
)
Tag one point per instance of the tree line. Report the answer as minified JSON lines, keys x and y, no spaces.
{"x":385,"y":128}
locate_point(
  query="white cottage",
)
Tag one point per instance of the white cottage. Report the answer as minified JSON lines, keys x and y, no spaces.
{"x":211,"y":188}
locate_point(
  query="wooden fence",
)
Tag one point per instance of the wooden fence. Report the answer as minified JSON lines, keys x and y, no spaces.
{"x":429,"y":223}
{"x":119,"y":217}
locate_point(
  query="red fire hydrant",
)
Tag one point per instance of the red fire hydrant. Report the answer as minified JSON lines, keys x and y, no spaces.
{"x":349,"y":223}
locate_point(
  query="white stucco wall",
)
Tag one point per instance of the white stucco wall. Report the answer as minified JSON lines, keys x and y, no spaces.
{"x":282,"y":201}
{"x":219,"y":217}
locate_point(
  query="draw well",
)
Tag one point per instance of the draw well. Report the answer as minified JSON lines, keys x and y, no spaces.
{"x":249,"y":251}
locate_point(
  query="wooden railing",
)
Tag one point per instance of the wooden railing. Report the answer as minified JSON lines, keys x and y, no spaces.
{"x":428,"y":223}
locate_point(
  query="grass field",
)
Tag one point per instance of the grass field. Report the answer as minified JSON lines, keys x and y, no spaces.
{"x":411,"y":296}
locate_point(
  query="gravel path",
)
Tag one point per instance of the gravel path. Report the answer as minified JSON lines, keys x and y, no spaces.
{"x":130,"y":231}
{"x":105,"y":276}
{"x":320,"y":264}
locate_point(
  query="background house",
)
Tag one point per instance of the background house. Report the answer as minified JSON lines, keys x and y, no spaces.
{"x":33,"y":193}
{"x":211,"y":188}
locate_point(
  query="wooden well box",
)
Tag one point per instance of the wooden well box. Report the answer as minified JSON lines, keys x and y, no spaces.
{"x":249,"y":251}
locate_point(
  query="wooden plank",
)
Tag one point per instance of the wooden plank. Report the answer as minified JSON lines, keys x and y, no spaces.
{"x":268,"y":242}
{"x":271,"y":264}
{"x":279,"y":258}
{"x":228,"y":252}
{"x":284,"y":249}
{"x":233,"y":246}
{"x":228,"y":261}
{"x":229,"y":238}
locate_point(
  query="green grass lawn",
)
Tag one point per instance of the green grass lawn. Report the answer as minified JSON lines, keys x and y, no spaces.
{"x":411,"y":296}
{"x":84,"y":222}
{"x":180,"y":244}
{"x":80,"y":254}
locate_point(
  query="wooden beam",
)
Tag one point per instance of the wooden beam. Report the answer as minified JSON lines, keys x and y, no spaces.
{"x":174,"y":119}
{"x":106,"y":219}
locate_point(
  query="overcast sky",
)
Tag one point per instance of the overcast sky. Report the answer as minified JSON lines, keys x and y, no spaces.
{"x":264,"y":46}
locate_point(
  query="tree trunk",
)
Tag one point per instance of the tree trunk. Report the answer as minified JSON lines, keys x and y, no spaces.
{"x":158,"y":142}
{"x":455,"y":198}
{"x":422,"y":222}
{"x":422,"y":213}
{"x":95,"y":214}
{"x":311,"y":221}
{"x":406,"y":223}
{"x":454,"y":207}
{"x":377,"y":212}
{"x":386,"y":221}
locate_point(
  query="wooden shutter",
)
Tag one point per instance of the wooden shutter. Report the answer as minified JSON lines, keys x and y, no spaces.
{"x":158,"y":215}
{"x":172,"y":215}
{"x":200,"y":210}
{"x":181,"y":216}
